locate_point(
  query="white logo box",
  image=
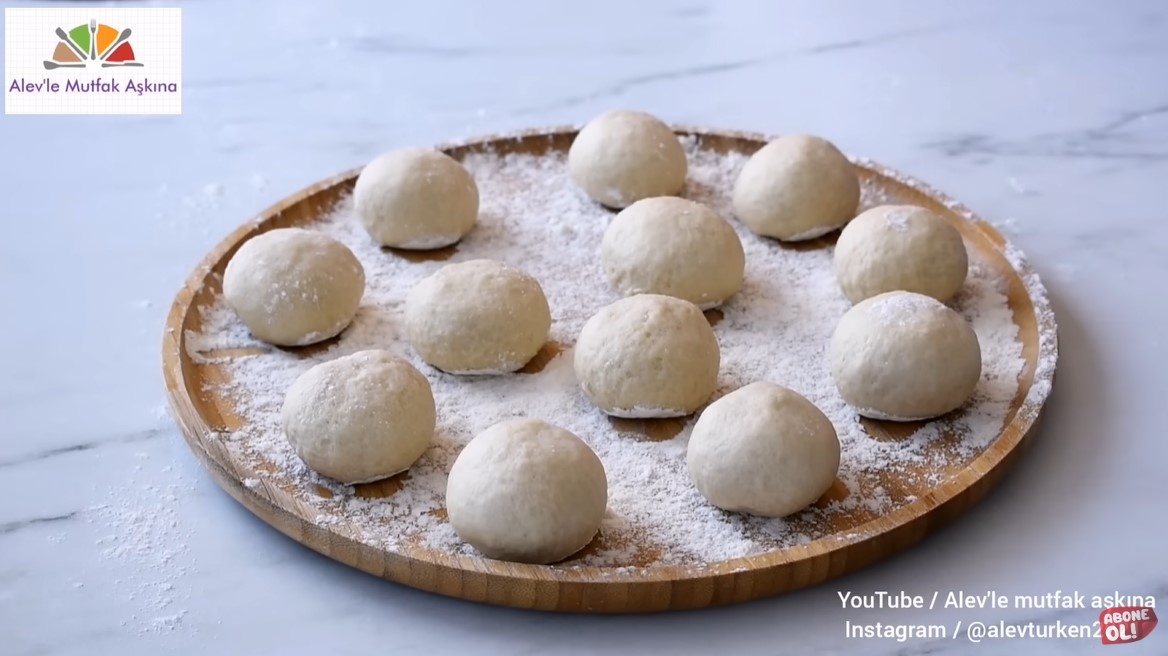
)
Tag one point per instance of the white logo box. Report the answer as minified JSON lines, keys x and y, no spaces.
{"x":47,"y":74}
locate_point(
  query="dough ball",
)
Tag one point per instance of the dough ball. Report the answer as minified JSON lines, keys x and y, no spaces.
{"x":293,"y":287}
{"x":764,"y":450}
{"x":477,"y":317}
{"x":648,"y":356}
{"x":904,"y":356}
{"x":623,"y":156}
{"x":416,"y":198}
{"x":900,"y":248}
{"x":676,"y":247}
{"x":361,"y":417}
{"x":526,"y":491}
{"x":796,"y":187}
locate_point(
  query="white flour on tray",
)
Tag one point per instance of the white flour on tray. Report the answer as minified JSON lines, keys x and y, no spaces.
{"x":777,"y":329}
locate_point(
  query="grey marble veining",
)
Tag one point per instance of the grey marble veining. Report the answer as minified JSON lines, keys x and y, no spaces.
{"x":1048,"y":118}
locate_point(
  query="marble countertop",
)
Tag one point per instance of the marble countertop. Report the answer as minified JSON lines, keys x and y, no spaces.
{"x":1049,"y":118}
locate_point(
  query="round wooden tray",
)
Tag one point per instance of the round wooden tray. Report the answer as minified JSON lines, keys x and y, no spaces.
{"x":202,"y":413}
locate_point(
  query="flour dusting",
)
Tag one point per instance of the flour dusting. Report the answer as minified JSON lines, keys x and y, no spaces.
{"x":777,"y":329}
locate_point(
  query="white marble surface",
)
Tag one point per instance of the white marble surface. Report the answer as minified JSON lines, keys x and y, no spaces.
{"x":1050,"y":118}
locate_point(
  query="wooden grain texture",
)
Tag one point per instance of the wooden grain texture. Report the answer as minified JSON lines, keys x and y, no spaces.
{"x":202,"y":415}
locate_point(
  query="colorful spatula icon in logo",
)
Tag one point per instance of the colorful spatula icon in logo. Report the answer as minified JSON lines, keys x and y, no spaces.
{"x":92,"y":43}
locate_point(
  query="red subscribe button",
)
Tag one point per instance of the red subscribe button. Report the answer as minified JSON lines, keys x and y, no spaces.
{"x":1124,"y":624}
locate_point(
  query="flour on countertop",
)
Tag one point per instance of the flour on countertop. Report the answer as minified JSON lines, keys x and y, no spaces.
{"x":776,"y":329}
{"x":143,"y":535}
